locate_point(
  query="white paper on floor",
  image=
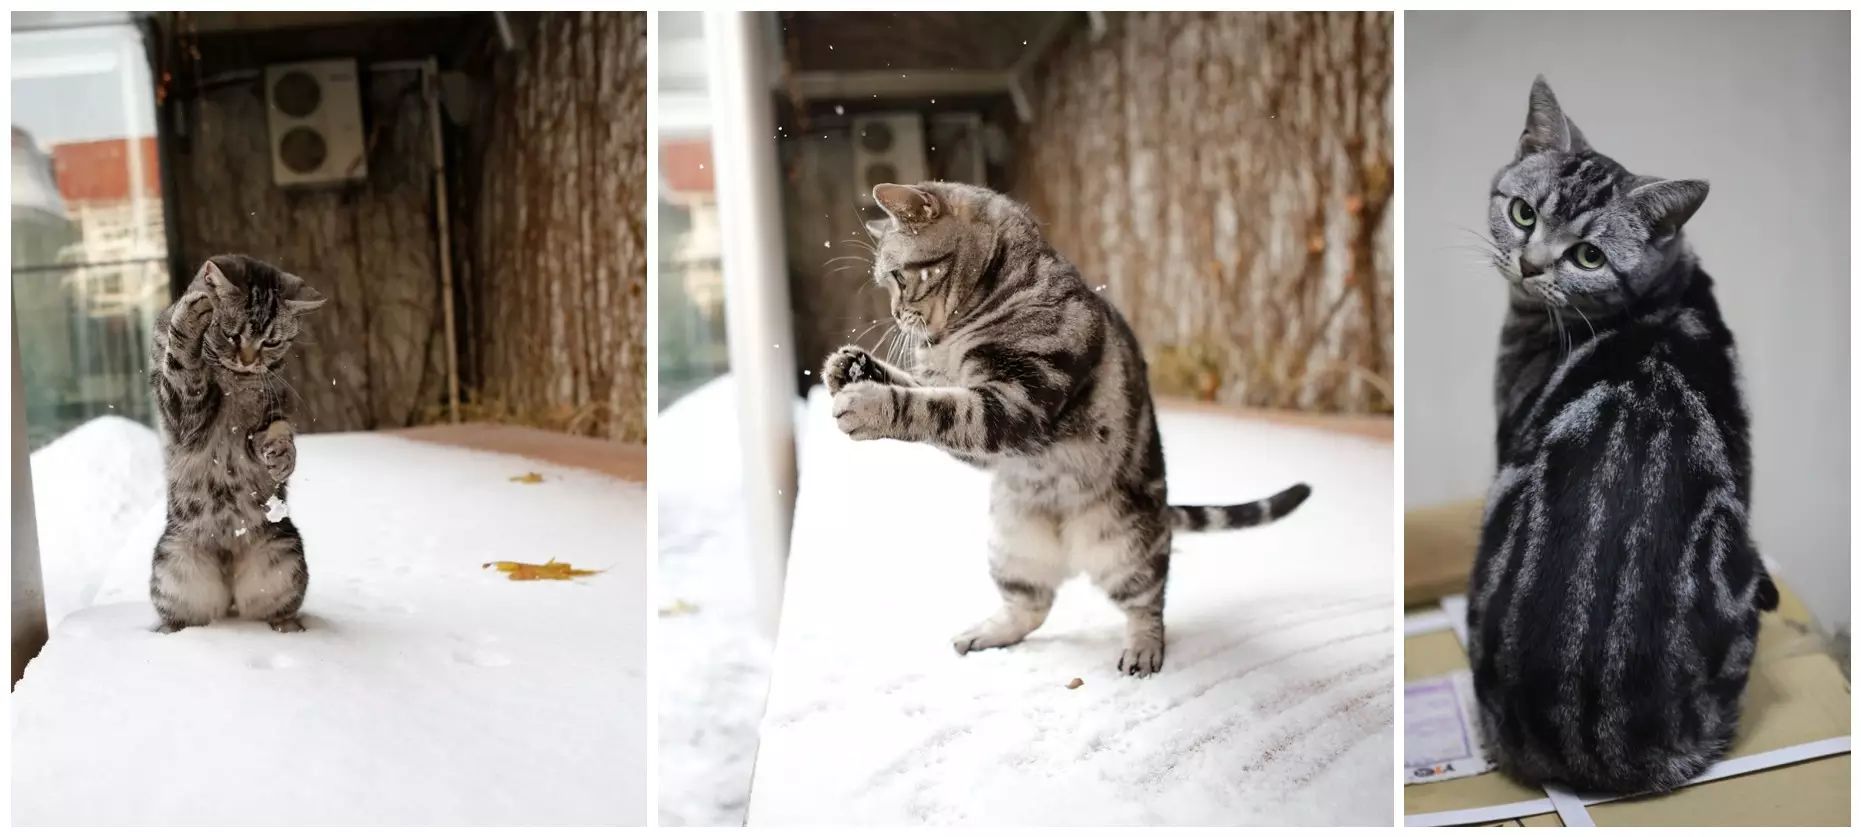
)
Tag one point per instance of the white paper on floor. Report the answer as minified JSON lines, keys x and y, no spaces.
{"x":1275,"y":704}
{"x":1441,"y":736}
{"x":425,"y":690}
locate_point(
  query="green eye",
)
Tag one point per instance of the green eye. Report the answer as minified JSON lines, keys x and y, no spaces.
{"x":1522,"y":214}
{"x":1588,"y":256}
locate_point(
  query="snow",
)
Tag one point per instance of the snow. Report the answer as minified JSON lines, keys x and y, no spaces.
{"x":1275,"y":704}
{"x":276,"y":509}
{"x":712,"y":664}
{"x":426,"y":690}
{"x":97,"y":490}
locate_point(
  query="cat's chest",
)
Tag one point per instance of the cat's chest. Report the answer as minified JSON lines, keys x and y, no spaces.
{"x":222,"y":471}
{"x":940,"y":364}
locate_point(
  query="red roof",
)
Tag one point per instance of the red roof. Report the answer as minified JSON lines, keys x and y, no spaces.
{"x":685,"y":166}
{"x":98,"y":171}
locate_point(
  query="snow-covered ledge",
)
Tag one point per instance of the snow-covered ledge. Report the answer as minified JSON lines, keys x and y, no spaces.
{"x":426,"y":690}
{"x":1275,"y":706}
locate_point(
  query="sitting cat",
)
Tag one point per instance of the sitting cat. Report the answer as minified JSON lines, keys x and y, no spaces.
{"x":1613,"y":607}
{"x":1023,"y":370}
{"x":228,"y":448}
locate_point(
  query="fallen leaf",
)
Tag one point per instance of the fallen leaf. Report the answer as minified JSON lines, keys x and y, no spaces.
{"x":1076,"y":683}
{"x":552,"y":571}
{"x":679,"y":607}
{"x":531,"y":478}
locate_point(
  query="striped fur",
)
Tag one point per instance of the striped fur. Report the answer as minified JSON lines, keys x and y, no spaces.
{"x":228,"y":447}
{"x":1017,"y":367}
{"x":1613,"y":606}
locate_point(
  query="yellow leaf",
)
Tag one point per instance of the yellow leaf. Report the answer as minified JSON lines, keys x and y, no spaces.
{"x":531,"y":478}
{"x":679,"y":607}
{"x":551,"y":571}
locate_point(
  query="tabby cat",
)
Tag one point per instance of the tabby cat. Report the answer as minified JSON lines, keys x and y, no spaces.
{"x":229,"y":448}
{"x":1024,"y":371}
{"x":1614,"y":604}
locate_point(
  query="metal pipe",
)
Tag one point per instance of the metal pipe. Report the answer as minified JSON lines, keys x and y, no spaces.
{"x":756,"y":303}
{"x":443,"y":213}
{"x":505,"y":37}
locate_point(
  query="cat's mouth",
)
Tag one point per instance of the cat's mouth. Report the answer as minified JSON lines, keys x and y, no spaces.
{"x":1544,"y":288}
{"x":243,"y":368}
{"x":912,"y":324}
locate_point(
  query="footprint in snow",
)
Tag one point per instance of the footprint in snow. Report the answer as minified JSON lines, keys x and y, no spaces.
{"x":481,"y":657}
{"x":272,"y":662}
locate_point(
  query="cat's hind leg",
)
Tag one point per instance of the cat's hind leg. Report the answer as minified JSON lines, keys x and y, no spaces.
{"x":1026,"y":562}
{"x":1128,"y":557}
{"x":270,"y":577}
{"x":187,"y":582}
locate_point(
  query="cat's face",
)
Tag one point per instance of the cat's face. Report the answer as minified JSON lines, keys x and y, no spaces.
{"x":257,"y":311}
{"x":930,"y":251}
{"x":1574,"y":228}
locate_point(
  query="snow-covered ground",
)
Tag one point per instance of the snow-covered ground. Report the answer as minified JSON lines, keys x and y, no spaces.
{"x":426,"y":690}
{"x":1275,"y":705}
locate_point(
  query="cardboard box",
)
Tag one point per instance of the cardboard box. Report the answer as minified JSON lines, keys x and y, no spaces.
{"x":1797,"y":694}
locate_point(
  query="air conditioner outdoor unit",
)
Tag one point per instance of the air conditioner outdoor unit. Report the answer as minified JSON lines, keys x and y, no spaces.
{"x":314,"y":110}
{"x":887,"y":148}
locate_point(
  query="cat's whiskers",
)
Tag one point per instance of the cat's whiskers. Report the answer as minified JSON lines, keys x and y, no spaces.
{"x":1586,"y":320}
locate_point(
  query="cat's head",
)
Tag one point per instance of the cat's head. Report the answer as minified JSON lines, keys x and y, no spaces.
{"x":256,"y":313}
{"x":1574,"y":228}
{"x":934,"y":247}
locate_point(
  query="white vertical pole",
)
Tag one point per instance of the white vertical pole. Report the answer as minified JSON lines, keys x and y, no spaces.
{"x":28,"y":587}
{"x":756,"y":306}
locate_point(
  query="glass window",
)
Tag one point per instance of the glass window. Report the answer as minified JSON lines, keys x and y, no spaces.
{"x":89,"y":269}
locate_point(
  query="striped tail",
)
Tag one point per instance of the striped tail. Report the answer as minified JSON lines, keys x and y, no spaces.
{"x":1215,"y":518}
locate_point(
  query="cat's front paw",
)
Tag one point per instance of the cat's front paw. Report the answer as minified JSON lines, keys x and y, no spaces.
{"x":193,"y":313}
{"x":278,"y":452}
{"x":850,"y":365}
{"x":863,"y":410}
{"x":1142,"y":657}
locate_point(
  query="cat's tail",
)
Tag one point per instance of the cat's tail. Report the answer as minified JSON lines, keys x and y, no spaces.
{"x":1215,"y":518}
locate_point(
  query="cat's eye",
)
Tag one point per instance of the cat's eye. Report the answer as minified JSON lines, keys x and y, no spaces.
{"x":898,"y":278}
{"x":1587,"y":256}
{"x":271,"y":343}
{"x":1522,"y":214}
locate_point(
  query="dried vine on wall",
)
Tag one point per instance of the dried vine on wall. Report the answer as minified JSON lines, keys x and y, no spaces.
{"x":559,"y":271}
{"x":1227,"y":177}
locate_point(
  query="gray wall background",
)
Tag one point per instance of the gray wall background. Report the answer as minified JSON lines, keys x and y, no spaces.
{"x":1755,"y":103}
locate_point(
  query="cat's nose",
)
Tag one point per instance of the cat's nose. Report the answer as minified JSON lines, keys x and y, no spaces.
{"x":1529,"y":268}
{"x":248,"y":354}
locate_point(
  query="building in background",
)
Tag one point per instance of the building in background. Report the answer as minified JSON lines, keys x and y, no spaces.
{"x":89,"y":245}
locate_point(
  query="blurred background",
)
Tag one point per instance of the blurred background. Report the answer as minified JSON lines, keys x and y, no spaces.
{"x":462,"y":186}
{"x":1755,"y":103}
{"x":1225,"y":177}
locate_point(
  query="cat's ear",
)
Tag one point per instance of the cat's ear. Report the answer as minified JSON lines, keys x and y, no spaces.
{"x":1667,"y":204}
{"x":210,"y":274}
{"x":906,"y":203}
{"x":299,"y":297}
{"x":1546,"y":126}
{"x":226,"y":295}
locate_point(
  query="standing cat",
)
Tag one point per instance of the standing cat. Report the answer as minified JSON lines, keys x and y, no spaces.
{"x":1024,"y":371}
{"x":228,"y":448}
{"x":1613,"y":607}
